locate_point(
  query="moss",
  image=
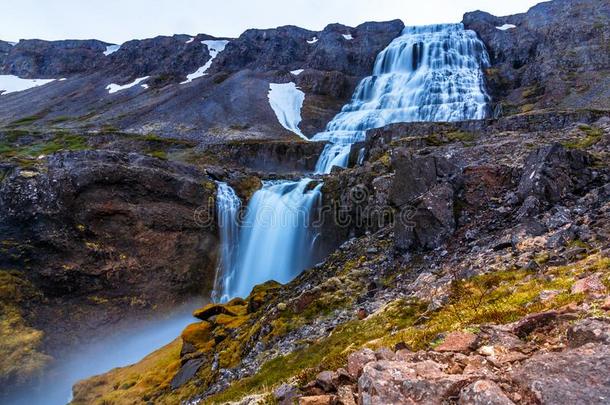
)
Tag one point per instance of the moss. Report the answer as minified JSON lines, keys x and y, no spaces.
{"x":329,"y":353}
{"x":527,"y":107}
{"x":28,"y":120}
{"x":159,"y":154}
{"x":140,"y":383}
{"x":12,"y":148}
{"x":592,"y":136}
{"x":21,"y":358}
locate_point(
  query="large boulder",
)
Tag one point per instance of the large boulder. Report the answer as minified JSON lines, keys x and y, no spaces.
{"x":552,"y":172}
{"x":578,"y":376}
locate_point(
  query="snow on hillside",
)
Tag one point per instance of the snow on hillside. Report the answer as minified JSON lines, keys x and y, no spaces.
{"x":214,"y":47}
{"x":506,"y":27}
{"x":13,"y":84}
{"x":286,"y":100}
{"x":113,"y":88}
{"x":110,"y":49}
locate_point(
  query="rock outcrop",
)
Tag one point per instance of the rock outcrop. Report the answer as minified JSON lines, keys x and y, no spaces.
{"x":100,"y":232}
{"x":555,"y":64}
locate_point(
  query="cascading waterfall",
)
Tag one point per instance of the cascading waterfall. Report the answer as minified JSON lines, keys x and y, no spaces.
{"x":429,"y":73}
{"x":228,"y":206}
{"x":275,"y":240}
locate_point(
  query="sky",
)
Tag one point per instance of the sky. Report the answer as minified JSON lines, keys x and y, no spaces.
{"x":117,"y":21}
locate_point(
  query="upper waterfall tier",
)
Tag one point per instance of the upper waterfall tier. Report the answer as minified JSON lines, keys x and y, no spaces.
{"x":430,"y":73}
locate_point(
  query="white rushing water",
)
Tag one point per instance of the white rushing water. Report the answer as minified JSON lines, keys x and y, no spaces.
{"x":275,"y":240}
{"x":429,"y":73}
{"x":228,"y":205}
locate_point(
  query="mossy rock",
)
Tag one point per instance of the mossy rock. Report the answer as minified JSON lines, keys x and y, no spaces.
{"x":199,"y":335}
{"x":260,"y":294}
{"x":211,"y":310}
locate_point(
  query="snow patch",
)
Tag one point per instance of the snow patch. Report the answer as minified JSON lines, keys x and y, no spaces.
{"x":297,"y":72}
{"x":313,"y":40}
{"x":348,"y":37}
{"x":13,"y":43}
{"x":286,"y":100}
{"x":214,"y":47}
{"x":113,"y":88}
{"x":14,"y":84}
{"x":189,"y":41}
{"x":506,"y":27}
{"x":110,"y":49}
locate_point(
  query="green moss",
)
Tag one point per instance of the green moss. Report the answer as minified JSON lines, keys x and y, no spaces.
{"x":327,"y":354}
{"x":10,"y":148}
{"x":159,"y":154}
{"x":28,"y":120}
{"x":592,"y":136}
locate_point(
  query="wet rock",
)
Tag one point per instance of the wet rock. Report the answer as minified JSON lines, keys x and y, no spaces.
{"x":577,"y":376}
{"x":211,"y":310}
{"x":483,"y":392}
{"x":589,"y":330}
{"x":186,"y":372}
{"x":462,"y":342}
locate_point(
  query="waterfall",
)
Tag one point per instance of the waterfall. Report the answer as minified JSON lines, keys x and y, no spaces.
{"x":429,"y":73}
{"x":228,"y":205}
{"x":275,"y":240}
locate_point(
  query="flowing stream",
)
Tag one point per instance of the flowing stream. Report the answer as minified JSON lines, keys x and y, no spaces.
{"x":431,"y":73}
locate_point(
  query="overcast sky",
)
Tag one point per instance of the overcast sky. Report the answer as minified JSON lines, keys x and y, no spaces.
{"x":117,"y":21}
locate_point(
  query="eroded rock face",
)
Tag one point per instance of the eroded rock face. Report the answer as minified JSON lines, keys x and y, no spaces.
{"x":554,"y":64}
{"x":552,"y":172}
{"x":34,"y":58}
{"x":119,"y":227}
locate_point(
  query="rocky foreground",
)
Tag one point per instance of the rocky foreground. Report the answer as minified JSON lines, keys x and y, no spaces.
{"x":477,"y":272}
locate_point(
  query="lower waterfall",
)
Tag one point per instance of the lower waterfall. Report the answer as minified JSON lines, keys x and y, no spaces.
{"x":228,"y":206}
{"x":275,"y":241}
{"x":429,"y":73}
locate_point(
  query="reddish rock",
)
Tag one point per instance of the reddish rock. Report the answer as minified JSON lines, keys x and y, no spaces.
{"x":356,"y":361}
{"x":591,"y":285}
{"x":397,"y":382}
{"x":533,"y":322}
{"x":576,"y":376}
{"x":346,"y":396}
{"x":462,"y":342}
{"x":326,"y":380}
{"x":589,"y":331}
{"x":317,"y":400}
{"x":483,"y":392}
{"x":606,"y":304}
{"x":362,"y":314}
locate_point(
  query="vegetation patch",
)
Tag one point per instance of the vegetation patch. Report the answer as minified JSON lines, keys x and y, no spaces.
{"x":592,"y":136}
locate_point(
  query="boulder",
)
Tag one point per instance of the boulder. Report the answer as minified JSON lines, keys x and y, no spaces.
{"x":552,"y":172}
{"x":462,"y":342}
{"x":483,"y":392}
{"x":576,"y":376}
{"x":356,"y":361}
{"x":590,"y":330}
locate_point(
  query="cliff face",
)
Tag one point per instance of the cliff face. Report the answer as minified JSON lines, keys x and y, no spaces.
{"x":556,"y":56}
{"x":229,"y":102}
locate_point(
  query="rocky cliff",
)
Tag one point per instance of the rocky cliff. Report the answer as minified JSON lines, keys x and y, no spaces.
{"x":554,"y":56}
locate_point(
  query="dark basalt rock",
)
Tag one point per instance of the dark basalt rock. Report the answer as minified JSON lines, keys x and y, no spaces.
{"x":34,"y":58}
{"x":551,"y":172}
{"x":555,"y":64}
{"x":120,"y":227}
